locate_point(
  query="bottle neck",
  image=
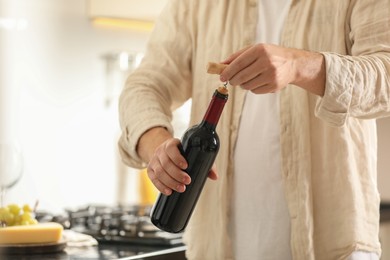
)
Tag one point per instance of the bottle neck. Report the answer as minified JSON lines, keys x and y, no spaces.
{"x":214,"y":110}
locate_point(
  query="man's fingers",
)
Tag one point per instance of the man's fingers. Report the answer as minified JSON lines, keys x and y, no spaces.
{"x":246,"y":75}
{"x":243,"y":60}
{"x":213,"y":173}
{"x":235,"y":55}
{"x":173,"y":152}
{"x":166,"y":168}
{"x":161,"y":187}
{"x":163,"y":181}
{"x":171,"y":169}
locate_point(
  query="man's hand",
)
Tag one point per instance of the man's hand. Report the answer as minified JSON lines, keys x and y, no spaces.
{"x":264,"y":68}
{"x":166,"y":164}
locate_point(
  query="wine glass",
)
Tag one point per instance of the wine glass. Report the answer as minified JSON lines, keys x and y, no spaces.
{"x":11,"y":167}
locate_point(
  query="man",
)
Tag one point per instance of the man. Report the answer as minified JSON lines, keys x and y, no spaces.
{"x":297,"y":164}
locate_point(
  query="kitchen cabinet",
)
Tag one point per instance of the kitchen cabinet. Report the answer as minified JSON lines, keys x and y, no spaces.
{"x":141,"y":10}
{"x":384,"y":236}
{"x":384,"y":232}
{"x":383,"y":129}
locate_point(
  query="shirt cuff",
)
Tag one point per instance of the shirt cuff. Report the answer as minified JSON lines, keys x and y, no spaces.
{"x":334,"y":106}
{"x":131,"y":135}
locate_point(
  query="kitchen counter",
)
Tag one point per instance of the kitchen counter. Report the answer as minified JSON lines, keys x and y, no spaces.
{"x":123,"y":251}
{"x":384,"y":231}
{"x":122,"y":232}
{"x":385,"y":212}
{"x":107,"y":251}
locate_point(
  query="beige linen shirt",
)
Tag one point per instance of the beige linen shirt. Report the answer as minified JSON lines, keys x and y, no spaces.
{"x":328,"y":144}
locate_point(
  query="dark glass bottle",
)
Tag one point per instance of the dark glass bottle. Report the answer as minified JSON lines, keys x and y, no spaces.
{"x":199,"y":145}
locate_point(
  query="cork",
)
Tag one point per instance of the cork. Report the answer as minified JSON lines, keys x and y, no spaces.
{"x":215,"y":68}
{"x":223,"y":90}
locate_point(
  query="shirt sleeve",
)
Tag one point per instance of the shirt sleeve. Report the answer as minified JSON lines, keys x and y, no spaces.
{"x":161,"y":83}
{"x":358,"y":85}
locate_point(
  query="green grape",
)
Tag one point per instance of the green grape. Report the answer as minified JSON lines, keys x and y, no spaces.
{"x":18,"y":220}
{"x":26,"y":216}
{"x":15,"y":209}
{"x":25,"y":223}
{"x":13,"y":215}
{"x":9,"y":219}
{"x":27,"y":208}
{"x":3,"y":209}
{"x":33,"y":221}
{"x":3,"y":212}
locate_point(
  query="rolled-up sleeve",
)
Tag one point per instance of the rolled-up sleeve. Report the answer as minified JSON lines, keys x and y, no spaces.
{"x":161,"y":83}
{"x":358,"y":85}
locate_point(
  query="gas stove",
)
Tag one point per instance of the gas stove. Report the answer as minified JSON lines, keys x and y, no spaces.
{"x":114,"y":224}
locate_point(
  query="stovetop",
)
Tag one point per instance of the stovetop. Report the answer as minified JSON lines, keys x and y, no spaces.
{"x":123,"y":232}
{"x":114,"y":224}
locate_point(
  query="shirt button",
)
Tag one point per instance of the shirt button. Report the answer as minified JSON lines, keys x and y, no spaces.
{"x":253,"y":3}
{"x":248,"y":42}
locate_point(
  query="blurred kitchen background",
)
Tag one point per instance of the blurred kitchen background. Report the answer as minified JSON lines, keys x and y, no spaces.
{"x":62,"y":66}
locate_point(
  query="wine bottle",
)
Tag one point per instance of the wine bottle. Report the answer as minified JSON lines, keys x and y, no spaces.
{"x":199,"y":146}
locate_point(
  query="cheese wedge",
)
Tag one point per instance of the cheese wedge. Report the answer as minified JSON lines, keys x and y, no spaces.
{"x":40,"y":233}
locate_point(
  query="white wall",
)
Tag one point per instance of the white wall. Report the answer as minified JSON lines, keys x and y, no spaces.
{"x":67,"y":134}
